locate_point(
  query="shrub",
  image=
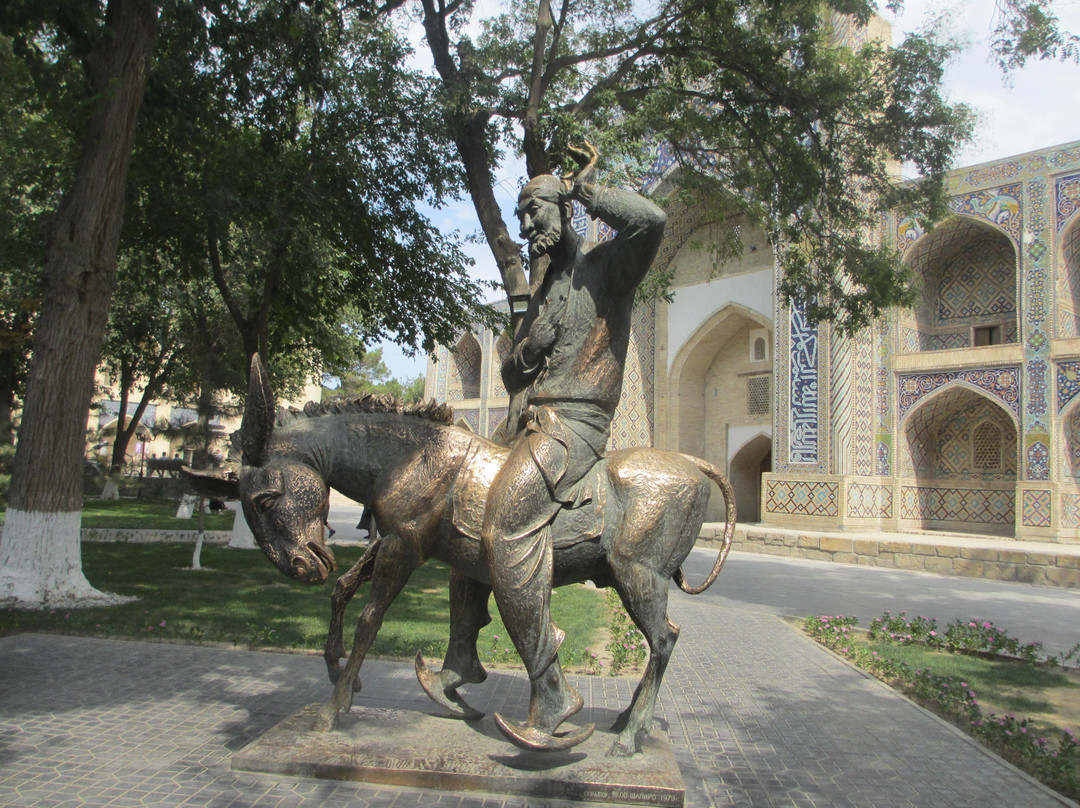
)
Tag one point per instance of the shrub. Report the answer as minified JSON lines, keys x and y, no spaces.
{"x":627,"y":646}
{"x":1052,"y":756}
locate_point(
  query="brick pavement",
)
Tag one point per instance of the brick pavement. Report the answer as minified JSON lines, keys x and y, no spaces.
{"x":758,"y":716}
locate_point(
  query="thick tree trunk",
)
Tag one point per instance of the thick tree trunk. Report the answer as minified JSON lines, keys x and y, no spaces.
{"x":40,"y":559}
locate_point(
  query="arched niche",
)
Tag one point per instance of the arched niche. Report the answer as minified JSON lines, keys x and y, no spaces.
{"x":718,"y":389}
{"x":502,"y":351}
{"x":1069,"y":297}
{"x":749,"y":462}
{"x":465,"y":364}
{"x":960,"y":462}
{"x":966,"y":271}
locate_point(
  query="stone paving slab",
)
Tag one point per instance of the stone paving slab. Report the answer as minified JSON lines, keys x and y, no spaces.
{"x":757,"y":715}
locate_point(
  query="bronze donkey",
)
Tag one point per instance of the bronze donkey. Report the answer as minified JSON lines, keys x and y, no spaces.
{"x":426,"y":482}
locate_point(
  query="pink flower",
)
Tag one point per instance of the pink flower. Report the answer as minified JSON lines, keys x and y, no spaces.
{"x":162,"y":624}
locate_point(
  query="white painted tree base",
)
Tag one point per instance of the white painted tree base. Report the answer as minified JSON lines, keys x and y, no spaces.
{"x":242,"y":538}
{"x":41,"y":563}
{"x":111,"y":491}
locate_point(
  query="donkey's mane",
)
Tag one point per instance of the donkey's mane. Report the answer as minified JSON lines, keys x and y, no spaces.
{"x":369,"y":403}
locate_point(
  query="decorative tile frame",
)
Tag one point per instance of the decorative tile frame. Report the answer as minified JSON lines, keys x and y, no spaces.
{"x":1037,"y":508}
{"x":1002,"y":383}
{"x":802,"y":498}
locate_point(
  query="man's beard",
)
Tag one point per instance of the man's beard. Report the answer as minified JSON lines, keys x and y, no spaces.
{"x":542,"y":243}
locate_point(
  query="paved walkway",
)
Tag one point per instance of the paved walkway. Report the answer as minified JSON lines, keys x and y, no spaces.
{"x":758,"y":716}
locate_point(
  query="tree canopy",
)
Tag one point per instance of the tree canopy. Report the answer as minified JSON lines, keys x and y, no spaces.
{"x":369,"y":374}
{"x":285,"y":152}
{"x":787,"y":110}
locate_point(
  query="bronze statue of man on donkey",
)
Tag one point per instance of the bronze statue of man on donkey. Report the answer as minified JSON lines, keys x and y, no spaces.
{"x":547,"y":509}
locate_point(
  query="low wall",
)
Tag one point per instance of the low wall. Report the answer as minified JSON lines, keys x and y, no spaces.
{"x":975,"y":557}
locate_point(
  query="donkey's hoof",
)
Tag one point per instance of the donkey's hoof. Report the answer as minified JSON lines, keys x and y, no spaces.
{"x":622,"y":749}
{"x":534,"y":739}
{"x":449,"y":700}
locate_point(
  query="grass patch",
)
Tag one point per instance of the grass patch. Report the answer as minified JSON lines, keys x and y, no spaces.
{"x":241,"y":599}
{"x":143,"y":514}
{"x":146,"y":514}
{"x":1003,"y":685}
{"x":980,"y":691}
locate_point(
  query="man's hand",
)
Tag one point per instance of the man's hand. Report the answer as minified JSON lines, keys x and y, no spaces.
{"x":586,"y":158}
{"x":542,"y":336}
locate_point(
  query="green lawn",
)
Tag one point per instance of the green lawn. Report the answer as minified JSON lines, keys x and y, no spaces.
{"x":1025,"y":709}
{"x":147,"y":514}
{"x":1003,"y":685}
{"x":242,"y":599}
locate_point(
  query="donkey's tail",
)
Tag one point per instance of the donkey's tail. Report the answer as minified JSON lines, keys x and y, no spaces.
{"x":717,"y":476}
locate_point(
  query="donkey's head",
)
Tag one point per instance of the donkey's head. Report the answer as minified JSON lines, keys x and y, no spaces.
{"x":285,"y":501}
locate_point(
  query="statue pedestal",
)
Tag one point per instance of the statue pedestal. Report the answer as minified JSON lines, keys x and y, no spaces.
{"x":403,"y":748}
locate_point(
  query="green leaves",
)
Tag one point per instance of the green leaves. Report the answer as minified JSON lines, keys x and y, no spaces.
{"x":286,"y":156}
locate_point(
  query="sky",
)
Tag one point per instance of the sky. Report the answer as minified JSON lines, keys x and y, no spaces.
{"x":1032,"y":108}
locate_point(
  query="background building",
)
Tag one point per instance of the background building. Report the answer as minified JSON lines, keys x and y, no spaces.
{"x":963,"y":414}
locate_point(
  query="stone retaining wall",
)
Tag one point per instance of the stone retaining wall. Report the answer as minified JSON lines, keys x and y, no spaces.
{"x":924,"y":554}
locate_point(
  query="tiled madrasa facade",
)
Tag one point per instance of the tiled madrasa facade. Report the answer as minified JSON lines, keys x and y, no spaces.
{"x":960,"y":415}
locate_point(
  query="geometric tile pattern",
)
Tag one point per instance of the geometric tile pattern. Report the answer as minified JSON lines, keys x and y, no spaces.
{"x":502,"y":351}
{"x":797,"y":498}
{"x":470,"y":417}
{"x":1070,"y":510}
{"x":1036,"y":386}
{"x":1036,"y":508}
{"x":496,"y":415}
{"x":803,"y":401}
{"x":978,"y":505}
{"x":1069,"y":288}
{"x":1001,"y":383}
{"x":973,"y":439}
{"x":863,"y":405}
{"x":633,"y":422}
{"x":939,"y":437}
{"x":1072,"y":444}
{"x":968,"y":272}
{"x":464,"y":380}
{"x":978,"y":284}
{"x":869,"y":501}
{"x":884,"y":465}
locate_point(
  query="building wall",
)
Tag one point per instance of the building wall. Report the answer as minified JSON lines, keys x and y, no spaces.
{"x":947,"y":408}
{"x":909,"y":424}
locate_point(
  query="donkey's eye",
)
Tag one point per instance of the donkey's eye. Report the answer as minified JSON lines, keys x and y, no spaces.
{"x":265,"y":502}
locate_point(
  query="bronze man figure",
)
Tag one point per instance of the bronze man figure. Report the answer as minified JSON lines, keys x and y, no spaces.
{"x":569,"y":368}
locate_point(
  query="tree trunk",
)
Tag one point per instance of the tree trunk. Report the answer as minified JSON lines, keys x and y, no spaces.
{"x":196,"y":556}
{"x":7,"y":406}
{"x":40,"y":558}
{"x":123,"y":432}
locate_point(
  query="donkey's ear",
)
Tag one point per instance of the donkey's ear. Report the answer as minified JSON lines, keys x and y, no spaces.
{"x":259,"y":414}
{"x":216,"y":484}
